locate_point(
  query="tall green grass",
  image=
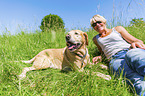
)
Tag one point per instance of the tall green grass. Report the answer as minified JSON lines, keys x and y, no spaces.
{"x":52,"y":82}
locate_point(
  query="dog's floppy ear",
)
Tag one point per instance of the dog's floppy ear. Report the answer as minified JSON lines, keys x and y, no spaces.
{"x":86,"y":38}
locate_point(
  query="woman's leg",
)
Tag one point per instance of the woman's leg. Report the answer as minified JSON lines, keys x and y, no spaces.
{"x":135,"y":58}
{"x":133,"y":78}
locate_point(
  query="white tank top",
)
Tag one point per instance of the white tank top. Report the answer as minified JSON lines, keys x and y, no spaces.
{"x":112,"y":43}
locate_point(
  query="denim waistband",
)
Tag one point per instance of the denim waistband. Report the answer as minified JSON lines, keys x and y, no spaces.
{"x":120,"y":54}
{"x":121,"y":51}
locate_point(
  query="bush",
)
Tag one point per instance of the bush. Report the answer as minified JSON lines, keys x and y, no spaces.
{"x":51,"y":21}
{"x":137,"y":22}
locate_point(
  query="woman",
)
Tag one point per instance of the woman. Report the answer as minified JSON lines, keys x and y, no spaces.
{"x":125,"y":52}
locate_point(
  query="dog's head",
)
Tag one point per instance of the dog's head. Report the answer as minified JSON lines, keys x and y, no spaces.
{"x":75,"y":39}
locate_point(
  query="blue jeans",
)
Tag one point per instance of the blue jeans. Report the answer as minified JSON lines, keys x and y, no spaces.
{"x":132,"y":65}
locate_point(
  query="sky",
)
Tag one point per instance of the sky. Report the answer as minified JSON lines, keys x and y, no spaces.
{"x":26,"y":15}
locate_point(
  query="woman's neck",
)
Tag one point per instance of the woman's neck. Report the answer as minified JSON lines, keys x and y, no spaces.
{"x":105,"y":32}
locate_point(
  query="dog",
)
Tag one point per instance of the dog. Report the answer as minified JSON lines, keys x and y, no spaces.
{"x":73,"y":57}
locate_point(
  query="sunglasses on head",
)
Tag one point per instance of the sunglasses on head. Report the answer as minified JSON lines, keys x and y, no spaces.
{"x":94,"y":24}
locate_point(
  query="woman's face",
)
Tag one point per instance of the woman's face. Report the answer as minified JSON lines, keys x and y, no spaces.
{"x":99,"y":26}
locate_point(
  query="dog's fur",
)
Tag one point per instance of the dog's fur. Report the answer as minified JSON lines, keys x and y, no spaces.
{"x":73,"y":57}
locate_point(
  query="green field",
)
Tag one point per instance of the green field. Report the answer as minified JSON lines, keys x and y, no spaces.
{"x":52,"y":82}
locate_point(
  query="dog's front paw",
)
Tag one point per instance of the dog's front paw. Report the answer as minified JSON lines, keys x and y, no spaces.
{"x":104,"y":66}
{"x":106,"y":77}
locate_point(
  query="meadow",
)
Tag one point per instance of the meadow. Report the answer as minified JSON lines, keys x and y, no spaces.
{"x":53,"y":82}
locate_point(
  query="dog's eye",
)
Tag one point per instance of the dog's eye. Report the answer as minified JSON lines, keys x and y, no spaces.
{"x":76,"y":33}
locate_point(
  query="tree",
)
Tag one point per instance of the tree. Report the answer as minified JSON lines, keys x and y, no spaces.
{"x":51,"y":22}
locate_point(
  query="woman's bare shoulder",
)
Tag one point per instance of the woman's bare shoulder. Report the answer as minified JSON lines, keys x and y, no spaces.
{"x":120,"y":29}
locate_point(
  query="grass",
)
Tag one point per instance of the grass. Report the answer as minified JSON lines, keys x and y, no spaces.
{"x":52,"y":82}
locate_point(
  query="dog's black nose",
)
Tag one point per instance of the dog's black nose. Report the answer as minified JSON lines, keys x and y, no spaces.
{"x":67,"y":37}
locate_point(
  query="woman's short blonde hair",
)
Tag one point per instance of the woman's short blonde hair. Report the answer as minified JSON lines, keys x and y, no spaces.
{"x":98,"y":18}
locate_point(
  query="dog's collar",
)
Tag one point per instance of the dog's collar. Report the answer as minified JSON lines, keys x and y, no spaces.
{"x":82,"y":57}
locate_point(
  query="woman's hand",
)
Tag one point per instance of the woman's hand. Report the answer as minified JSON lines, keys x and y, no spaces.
{"x":96,"y":59}
{"x":137,"y":45}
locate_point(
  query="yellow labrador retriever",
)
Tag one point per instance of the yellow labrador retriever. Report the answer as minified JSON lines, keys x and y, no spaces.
{"x":73,"y":57}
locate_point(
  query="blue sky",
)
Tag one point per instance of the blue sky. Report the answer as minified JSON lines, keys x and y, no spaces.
{"x":26,"y":15}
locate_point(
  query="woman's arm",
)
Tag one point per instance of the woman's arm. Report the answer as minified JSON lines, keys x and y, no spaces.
{"x":97,"y":58}
{"x":129,"y":38}
{"x":96,"y":43}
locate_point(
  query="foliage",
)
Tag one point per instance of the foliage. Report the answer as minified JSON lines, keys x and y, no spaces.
{"x":137,"y":22}
{"x":137,"y":28}
{"x":51,"y":21}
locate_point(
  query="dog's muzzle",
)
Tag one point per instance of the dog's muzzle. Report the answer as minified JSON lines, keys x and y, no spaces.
{"x":72,"y":45}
